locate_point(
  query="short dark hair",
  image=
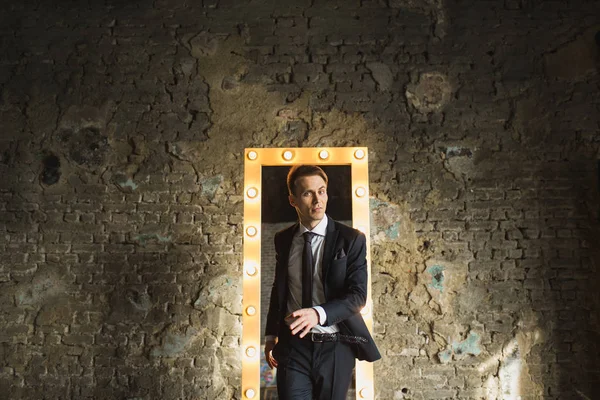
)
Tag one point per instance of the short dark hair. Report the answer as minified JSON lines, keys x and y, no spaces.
{"x":298,"y":171}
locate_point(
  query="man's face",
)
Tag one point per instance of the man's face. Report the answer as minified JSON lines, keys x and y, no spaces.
{"x":310,"y":199}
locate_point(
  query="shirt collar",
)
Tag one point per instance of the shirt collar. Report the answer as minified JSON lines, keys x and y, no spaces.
{"x":320,"y":229}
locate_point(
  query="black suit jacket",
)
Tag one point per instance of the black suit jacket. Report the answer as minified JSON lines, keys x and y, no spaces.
{"x":345,"y":279}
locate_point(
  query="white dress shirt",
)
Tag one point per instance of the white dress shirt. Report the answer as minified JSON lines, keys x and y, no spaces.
{"x":295,"y":274}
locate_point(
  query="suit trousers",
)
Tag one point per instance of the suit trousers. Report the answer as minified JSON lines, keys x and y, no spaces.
{"x":314,"y":371}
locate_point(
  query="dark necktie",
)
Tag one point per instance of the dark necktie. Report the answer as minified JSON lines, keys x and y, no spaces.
{"x":307,"y":270}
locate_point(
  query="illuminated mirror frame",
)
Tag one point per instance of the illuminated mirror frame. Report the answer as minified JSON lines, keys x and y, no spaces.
{"x":255,"y":159}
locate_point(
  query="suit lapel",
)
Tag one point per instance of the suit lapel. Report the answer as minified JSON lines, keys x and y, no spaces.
{"x":330,"y":240}
{"x":286,"y":243}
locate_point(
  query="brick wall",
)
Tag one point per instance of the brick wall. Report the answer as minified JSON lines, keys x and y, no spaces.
{"x":123,"y":126}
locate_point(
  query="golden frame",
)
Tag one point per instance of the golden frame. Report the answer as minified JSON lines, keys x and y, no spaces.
{"x":255,"y":159}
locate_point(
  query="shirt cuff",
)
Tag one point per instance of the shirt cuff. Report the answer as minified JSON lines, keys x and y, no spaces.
{"x":322,"y":315}
{"x":270,"y":338}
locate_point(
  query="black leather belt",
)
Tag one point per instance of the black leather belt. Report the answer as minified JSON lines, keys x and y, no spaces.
{"x":334,"y":337}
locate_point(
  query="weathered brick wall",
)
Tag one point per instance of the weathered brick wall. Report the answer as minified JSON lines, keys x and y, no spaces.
{"x":123,"y":126}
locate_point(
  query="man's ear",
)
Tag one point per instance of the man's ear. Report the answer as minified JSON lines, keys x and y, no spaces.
{"x":291,"y":200}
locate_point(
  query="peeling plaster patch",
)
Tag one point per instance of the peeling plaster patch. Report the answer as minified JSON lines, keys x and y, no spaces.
{"x":210,"y":186}
{"x":185,"y":151}
{"x":129,"y":183}
{"x":468,"y":346}
{"x":295,"y":130}
{"x":139,"y":300}
{"x":385,"y":220}
{"x":43,"y":285}
{"x":455,"y":151}
{"x":393,"y":232}
{"x":291,"y":129}
{"x":26,"y":297}
{"x":230,"y":83}
{"x":437,"y":277}
{"x":81,"y":136}
{"x":221,"y":321}
{"x":174,"y":149}
{"x":431,"y":93}
{"x":287,"y":114}
{"x":124,"y":183}
{"x":445,"y":356}
{"x":221,"y":291}
{"x":145,"y":237}
{"x":174,"y":343}
{"x":458,"y":350}
{"x":204,"y":44}
{"x":86,"y":147}
{"x":460,"y":163}
{"x":188,"y":66}
{"x":132,"y":303}
{"x":382,"y":75}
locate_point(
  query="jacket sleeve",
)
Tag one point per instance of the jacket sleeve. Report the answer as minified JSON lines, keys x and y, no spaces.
{"x":272,"y":325}
{"x":352,"y":297}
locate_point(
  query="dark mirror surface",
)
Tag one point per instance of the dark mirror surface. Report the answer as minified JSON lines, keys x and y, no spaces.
{"x":275,"y":207}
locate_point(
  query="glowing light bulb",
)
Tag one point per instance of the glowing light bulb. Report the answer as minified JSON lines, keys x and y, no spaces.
{"x":251,"y":310}
{"x":252,"y":192}
{"x":251,"y":270}
{"x":360,"y":191}
{"x":365,"y":310}
{"x":323,"y":154}
{"x":288,"y":155}
{"x":365,"y":393}
{"x":250,"y":393}
{"x":251,"y":231}
{"x":359,"y":154}
{"x":251,"y":351}
{"x":252,"y":155}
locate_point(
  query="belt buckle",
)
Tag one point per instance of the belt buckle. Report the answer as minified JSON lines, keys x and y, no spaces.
{"x":313,"y":337}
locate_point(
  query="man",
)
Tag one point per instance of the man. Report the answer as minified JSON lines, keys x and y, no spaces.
{"x":314,"y":327}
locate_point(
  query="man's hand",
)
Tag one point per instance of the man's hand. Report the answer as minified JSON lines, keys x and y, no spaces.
{"x":305,"y":320}
{"x":269,"y":354}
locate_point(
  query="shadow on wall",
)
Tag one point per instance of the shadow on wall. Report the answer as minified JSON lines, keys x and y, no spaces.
{"x":568,"y":196}
{"x":113,"y":285}
{"x":545,"y":183}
